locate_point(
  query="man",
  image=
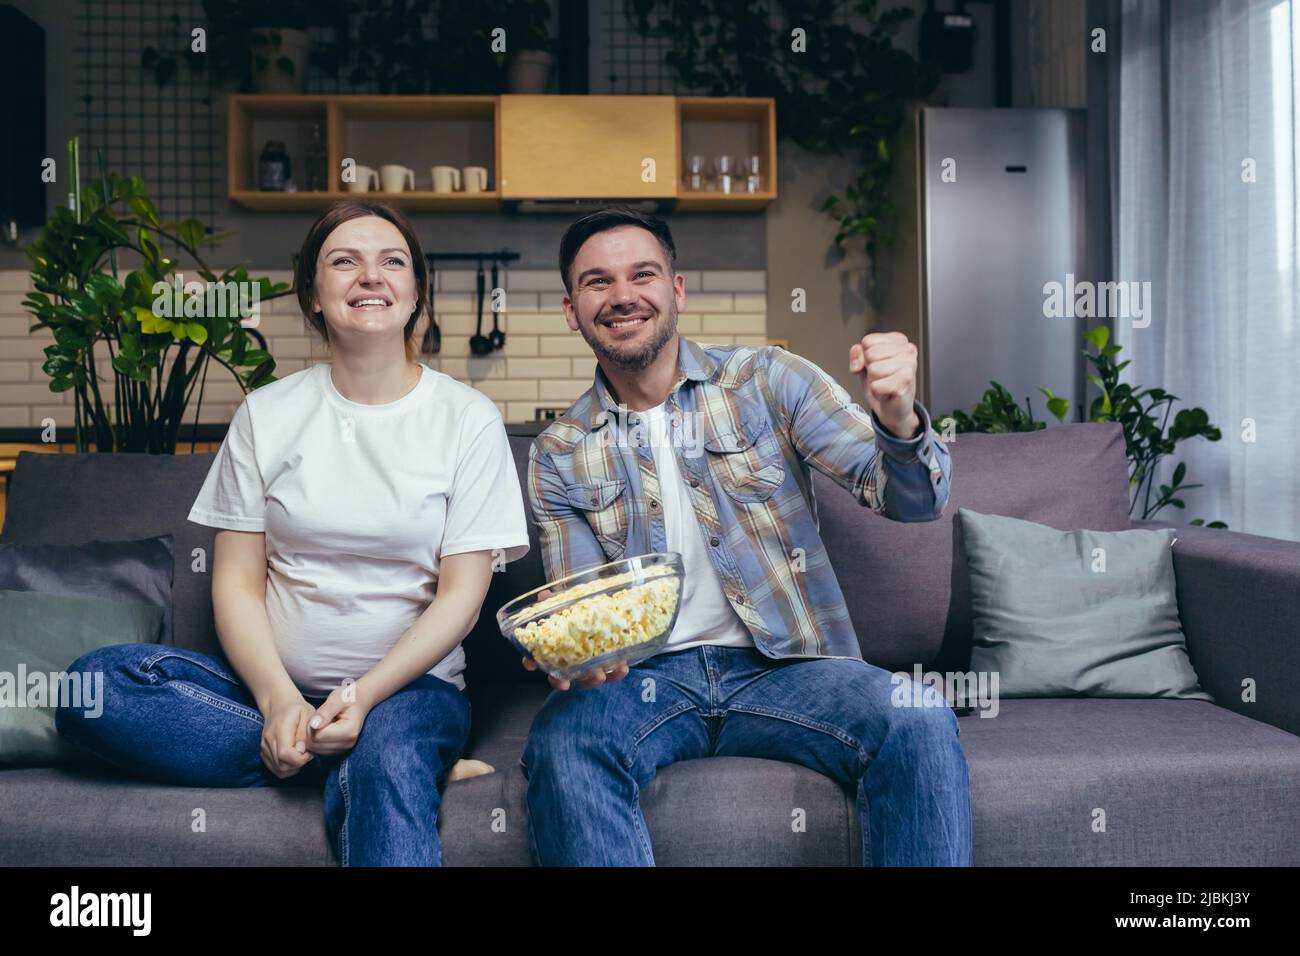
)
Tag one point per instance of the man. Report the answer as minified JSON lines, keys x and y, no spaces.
{"x":705,"y":451}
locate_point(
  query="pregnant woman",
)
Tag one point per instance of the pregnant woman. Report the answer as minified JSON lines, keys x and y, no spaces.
{"x":363,"y":506}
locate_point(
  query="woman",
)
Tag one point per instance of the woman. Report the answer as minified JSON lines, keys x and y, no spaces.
{"x":362,"y":506}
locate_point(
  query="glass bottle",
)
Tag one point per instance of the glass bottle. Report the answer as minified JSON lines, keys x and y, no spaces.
{"x":315,"y":162}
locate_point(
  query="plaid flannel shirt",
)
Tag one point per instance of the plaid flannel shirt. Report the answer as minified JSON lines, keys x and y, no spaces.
{"x":746,"y":424}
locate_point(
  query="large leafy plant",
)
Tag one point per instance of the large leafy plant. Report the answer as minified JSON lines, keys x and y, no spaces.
{"x":1143,"y":413}
{"x":844,"y":90}
{"x":158,"y":356}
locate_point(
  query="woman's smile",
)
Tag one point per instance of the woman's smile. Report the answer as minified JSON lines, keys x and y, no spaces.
{"x":370,"y":302}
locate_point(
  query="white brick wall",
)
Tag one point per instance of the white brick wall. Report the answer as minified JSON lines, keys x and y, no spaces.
{"x":543,"y":362}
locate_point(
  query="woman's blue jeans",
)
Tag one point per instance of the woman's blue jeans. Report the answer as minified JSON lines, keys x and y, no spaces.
{"x":592,"y":752}
{"x":184,"y":718}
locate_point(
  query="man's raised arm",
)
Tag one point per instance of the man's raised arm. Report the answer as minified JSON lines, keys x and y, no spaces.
{"x":903,"y":475}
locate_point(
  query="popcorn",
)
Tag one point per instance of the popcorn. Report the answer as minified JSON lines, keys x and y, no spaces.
{"x":601,"y":623}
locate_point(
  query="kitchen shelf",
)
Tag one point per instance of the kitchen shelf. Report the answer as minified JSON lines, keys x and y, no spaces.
{"x":459,"y":131}
{"x":254,"y":119}
{"x":737,"y":126}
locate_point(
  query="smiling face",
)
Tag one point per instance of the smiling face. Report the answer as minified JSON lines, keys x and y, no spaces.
{"x":365,"y":282}
{"x":624,"y":298}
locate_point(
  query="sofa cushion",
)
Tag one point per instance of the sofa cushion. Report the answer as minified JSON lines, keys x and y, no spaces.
{"x":1052,"y":622}
{"x":136,"y":572}
{"x":95,"y":816}
{"x":73,"y":499}
{"x":723,"y":811}
{"x":41,"y":636}
{"x":1181,"y":783}
{"x":907,"y":584}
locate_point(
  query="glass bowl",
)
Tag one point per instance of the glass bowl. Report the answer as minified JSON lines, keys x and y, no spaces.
{"x":621,"y":612}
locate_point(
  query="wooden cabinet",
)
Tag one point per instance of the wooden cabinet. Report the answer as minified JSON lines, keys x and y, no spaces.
{"x":575,"y":147}
{"x":533,"y":147}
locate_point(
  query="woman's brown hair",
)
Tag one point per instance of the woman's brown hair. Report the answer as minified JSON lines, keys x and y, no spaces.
{"x":304,"y":271}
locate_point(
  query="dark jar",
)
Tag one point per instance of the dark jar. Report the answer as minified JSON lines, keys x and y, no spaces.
{"x":273,"y":168}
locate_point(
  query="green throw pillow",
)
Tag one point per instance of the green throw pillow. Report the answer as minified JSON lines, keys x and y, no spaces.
{"x":40,"y":635}
{"x":1075,"y":613}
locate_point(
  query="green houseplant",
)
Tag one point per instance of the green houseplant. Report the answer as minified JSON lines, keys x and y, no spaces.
{"x":251,"y":46}
{"x":841,"y":90}
{"x":1145,"y":441}
{"x":160,"y":339}
{"x":391,"y":40}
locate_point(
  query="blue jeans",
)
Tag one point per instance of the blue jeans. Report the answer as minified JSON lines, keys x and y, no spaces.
{"x":184,"y":718}
{"x":592,"y":752}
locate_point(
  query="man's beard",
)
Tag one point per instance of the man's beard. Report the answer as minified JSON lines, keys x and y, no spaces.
{"x":643,"y":356}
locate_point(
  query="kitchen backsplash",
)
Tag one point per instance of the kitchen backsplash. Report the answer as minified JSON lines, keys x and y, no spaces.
{"x":543,"y":364}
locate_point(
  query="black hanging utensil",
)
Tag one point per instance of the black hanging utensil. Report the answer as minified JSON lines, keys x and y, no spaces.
{"x":497,"y":337}
{"x":479,"y":344}
{"x":432,"y":342}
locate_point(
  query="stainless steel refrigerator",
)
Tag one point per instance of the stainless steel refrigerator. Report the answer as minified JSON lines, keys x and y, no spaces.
{"x":1001,"y":214}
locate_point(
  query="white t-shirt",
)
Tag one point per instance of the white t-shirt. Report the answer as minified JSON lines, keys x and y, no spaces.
{"x":358,"y":504}
{"x":706,"y":616}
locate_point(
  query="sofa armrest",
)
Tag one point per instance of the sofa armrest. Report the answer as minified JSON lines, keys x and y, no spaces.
{"x":1239,"y":600}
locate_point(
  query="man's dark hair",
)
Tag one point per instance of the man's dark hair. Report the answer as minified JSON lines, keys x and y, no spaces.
{"x":612,"y":217}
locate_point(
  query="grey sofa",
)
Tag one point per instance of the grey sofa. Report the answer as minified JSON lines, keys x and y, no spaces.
{"x":1181,"y":782}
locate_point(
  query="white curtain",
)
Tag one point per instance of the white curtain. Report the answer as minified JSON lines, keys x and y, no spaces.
{"x":1207,"y":100}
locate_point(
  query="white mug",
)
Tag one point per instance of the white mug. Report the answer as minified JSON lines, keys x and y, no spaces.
{"x":475,"y":179}
{"x":396,"y":177}
{"x":365,"y":176}
{"x":446,"y":179}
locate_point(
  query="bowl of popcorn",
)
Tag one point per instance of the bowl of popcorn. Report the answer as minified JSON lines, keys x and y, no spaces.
{"x":621,"y":612}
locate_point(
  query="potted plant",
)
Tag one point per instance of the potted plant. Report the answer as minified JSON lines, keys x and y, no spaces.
{"x":250,"y":46}
{"x":159,"y":333}
{"x":279,"y":58}
{"x":528,"y":45}
{"x":1145,"y":441}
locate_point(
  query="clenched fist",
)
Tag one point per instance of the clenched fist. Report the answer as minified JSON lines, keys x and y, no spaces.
{"x":885,"y":363}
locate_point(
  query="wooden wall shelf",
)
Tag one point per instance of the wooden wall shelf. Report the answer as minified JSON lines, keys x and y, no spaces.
{"x":532,"y":146}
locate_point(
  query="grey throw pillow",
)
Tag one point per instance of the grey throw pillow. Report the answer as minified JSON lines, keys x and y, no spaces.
{"x":1075,"y":613}
{"x":40,"y":635}
{"x":136,"y":572}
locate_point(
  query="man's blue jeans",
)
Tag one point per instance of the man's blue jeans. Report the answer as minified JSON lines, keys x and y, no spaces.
{"x":184,"y":718}
{"x":592,"y":752}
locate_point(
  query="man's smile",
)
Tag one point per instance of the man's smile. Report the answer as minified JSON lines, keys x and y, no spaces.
{"x":623,"y":325}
